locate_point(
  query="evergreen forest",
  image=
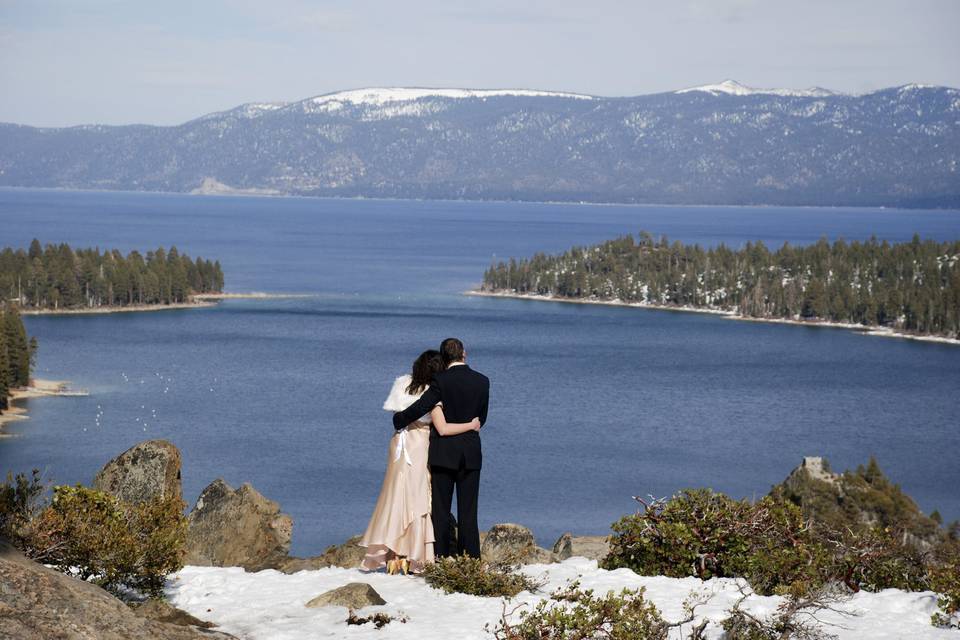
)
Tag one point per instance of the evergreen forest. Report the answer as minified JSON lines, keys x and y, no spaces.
{"x":59,"y":277}
{"x":912,"y":287}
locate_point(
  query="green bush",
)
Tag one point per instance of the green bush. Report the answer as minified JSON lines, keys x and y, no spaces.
{"x":706,"y":534}
{"x":463,"y":574}
{"x":768,"y":542}
{"x":572,"y":614}
{"x":945,"y":580}
{"x":114,"y":544}
{"x":874,"y":559}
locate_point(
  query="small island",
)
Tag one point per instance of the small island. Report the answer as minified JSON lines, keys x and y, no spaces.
{"x":59,"y":279}
{"x":909,"y":289}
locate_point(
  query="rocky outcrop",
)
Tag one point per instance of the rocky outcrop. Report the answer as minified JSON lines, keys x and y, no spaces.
{"x":354,"y":595}
{"x":512,"y":544}
{"x":862,"y":498}
{"x":812,"y":468}
{"x":163,"y":611}
{"x":348,"y":555}
{"x":37,"y":603}
{"x":148,"y":470}
{"x":590,"y":547}
{"x":237,"y":528}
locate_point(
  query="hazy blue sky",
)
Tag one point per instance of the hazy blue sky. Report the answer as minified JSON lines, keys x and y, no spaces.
{"x":66,"y":62}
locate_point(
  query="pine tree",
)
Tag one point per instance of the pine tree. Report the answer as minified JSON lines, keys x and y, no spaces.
{"x":4,"y":367}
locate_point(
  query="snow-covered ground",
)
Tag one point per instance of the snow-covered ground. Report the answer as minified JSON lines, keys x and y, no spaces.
{"x":270,"y":605}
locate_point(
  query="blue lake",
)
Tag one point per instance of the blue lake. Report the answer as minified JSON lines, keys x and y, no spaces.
{"x":589,"y":405}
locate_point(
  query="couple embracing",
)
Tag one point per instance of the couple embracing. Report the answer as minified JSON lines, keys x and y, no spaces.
{"x":439,"y":409}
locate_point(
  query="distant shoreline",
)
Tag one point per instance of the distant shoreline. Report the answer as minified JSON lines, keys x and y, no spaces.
{"x":730,"y":315}
{"x":572,"y":203}
{"x":199,"y":301}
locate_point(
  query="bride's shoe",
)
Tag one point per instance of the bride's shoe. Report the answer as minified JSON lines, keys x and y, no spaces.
{"x":393,"y":566}
{"x":405,"y":566}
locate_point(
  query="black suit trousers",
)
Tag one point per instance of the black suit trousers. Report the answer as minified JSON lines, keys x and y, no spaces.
{"x":443,"y":481}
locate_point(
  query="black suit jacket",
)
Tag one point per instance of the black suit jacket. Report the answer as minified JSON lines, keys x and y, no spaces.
{"x":465,"y":394}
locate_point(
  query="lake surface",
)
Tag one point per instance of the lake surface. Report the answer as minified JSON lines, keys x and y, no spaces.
{"x":590,"y":405}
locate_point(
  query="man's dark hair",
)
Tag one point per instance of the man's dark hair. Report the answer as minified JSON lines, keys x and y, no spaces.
{"x":451,"y":350}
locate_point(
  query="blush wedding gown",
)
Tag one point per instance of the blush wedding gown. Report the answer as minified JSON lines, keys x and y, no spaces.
{"x":400,"y":524}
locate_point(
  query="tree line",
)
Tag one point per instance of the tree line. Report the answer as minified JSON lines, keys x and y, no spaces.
{"x":16,"y":353}
{"x":59,"y":277}
{"x":911,"y":286}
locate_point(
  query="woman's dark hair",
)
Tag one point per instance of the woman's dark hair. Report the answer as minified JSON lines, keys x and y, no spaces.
{"x":424,"y":368}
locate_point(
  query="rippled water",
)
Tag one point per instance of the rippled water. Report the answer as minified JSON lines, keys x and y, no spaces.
{"x":589,"y":405}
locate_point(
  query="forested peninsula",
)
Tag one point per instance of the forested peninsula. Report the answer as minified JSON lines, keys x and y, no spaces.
{"x":911,"y":288}
{"x":61,"y":279}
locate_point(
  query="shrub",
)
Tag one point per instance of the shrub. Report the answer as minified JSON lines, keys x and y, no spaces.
{"x":114,"y":544}
{"x":875,"y":559}
{"x":572,"y":614}
{"x":707,"y":534}
{"x":21,"y":498}
{"x":945,"y":580}
{"x":795,"y":618}
{"x":463,"y":574}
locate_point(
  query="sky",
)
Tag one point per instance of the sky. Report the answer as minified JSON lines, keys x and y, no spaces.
{"x":68,"y":62}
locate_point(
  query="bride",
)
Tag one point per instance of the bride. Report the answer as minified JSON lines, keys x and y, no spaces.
{"x":400,"y":534}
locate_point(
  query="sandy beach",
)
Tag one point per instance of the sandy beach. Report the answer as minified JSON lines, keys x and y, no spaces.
{"x":199,"y":301}
{"x":38,"y":389}
{"x":135,"y":308}
{"x":731,"y":315}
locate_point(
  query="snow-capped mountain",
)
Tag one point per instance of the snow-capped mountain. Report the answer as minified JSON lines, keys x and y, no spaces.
{"x":722,"y":143}
{"x":734,"y":88}
{"x":380,"y":96}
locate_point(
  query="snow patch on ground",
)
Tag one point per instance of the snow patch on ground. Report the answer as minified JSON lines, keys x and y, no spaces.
{"x":270,"y":604}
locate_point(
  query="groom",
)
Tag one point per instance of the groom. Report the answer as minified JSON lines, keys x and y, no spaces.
{"x":454,"y":460}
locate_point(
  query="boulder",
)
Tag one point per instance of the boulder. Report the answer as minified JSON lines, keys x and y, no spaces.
{"x":512,"y":544}
{"x":37,"y":603}
{"x":354,"y":595}
{"x":237,"y":528}
{"x":163,"y":611}
{"x":348,"y":555}
{"x":148,"y":470}
{"x":292,"y":564}
{"x":590,"y":547}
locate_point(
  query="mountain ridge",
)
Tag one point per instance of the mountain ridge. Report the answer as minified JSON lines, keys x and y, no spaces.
{"x":713,"y":144}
